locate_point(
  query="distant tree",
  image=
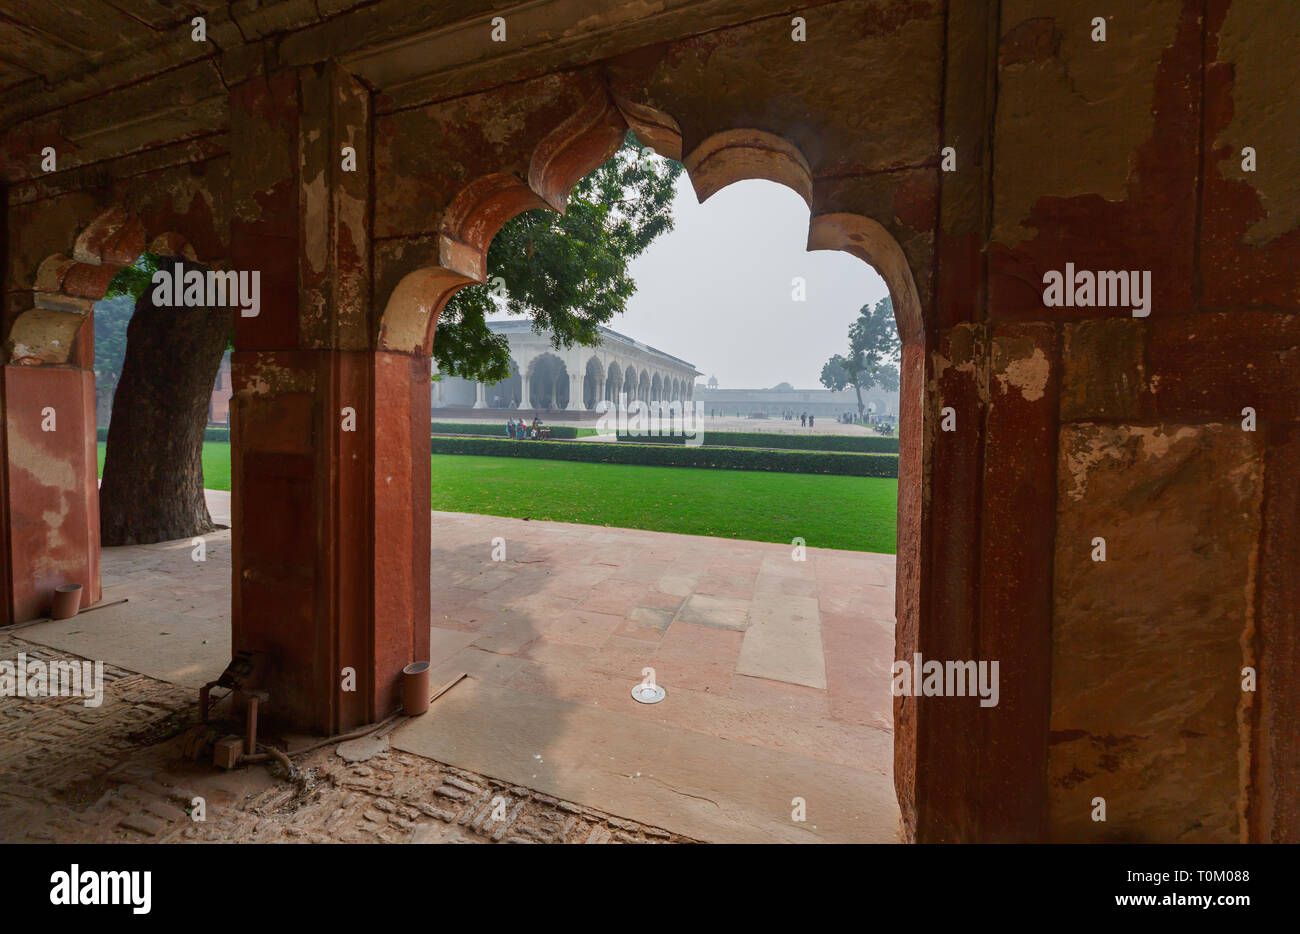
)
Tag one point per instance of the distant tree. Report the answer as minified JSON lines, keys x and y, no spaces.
{"x":782,"y":387}
{"x":873,"y":353}
{"x":112,"y":315}
{"x":568,"y":272}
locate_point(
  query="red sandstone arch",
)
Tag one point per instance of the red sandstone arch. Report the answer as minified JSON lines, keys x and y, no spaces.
{"x":577,"y":147}
{"x":567,"y":154}
{"x":51,"y":535}
{"x":581,"y":144}
{"x":66,"y":288}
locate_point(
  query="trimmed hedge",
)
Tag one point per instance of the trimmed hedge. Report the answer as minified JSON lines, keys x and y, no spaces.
{"x":567,"y":432}
{"x":862,"y":444}
{"x":653,"y":455}
{"x":209,"y":434}
{"x":498,"y":429}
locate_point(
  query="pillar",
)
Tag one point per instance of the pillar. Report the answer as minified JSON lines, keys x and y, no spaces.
{"x":525,"y":395}
{"x":330,"y":452}
{"x":576,"y":402}
{"x":480,"y":396}
{"x":49,"y":494}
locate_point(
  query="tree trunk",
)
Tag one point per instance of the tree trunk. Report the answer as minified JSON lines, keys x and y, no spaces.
{"x":152,"y":490}
{"x":858,"y":390}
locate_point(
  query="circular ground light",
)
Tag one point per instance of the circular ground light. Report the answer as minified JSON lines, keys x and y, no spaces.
{"x":648,"y":693}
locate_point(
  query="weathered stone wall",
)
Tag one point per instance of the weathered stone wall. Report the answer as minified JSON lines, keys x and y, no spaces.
{"x":1119,"y":679}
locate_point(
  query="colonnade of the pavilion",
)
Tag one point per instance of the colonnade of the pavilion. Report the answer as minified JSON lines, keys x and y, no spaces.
{"x":544,"y":379}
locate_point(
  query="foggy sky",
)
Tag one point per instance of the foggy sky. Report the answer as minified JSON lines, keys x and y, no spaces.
{"x":716,"y":290}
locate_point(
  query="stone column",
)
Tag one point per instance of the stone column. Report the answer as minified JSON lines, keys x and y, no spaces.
{"x":330,"y":453}
{"x":525,"y":397}
{"x":49,"y":497}
{"x":480,"y":396}
{"x":576,"y":383}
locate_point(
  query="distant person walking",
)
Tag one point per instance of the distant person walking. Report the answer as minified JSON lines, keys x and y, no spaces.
{"x":811,"y":420}
{"x":803,"y":419}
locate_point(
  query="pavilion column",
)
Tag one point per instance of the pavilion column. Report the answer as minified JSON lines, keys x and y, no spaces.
{"x":525,"y":395}
{"x":480,"y":396}
{"x":330,"y":443}
{"x":576,"y":388}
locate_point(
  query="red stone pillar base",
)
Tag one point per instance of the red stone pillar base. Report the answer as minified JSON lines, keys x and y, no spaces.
{"x":49,"y":491}
{"x":331,"y":526}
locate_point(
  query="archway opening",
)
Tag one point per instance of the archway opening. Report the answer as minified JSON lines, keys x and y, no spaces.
{"x":593,"y":389}
{"x":548,"y":383}
{"x":844,"y":651}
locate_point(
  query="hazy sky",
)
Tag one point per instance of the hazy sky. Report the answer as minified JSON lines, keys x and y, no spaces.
{"x":716,"y":291}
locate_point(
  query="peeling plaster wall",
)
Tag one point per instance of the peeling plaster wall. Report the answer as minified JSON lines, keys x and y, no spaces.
{"x":1101,"y":108}
{"x":1254,"y":38}
{"x":1120,"y":679}
{"x":1147,"y":645}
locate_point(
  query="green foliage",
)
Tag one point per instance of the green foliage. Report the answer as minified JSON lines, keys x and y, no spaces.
{"x":851,"y":465}
{"x":113,"y":314}
{"x":133,"y":280}
{"x":863,"y":444}
{"x":218,"y":435}
{"x":498,"y":429}
{"x":568,"y":272}
{"x":111,"y":319}
{"x":873,"y":353}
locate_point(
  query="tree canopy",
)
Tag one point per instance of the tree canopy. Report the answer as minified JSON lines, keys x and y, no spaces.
{"x":872,"y":359}
{"x":568,"y":272}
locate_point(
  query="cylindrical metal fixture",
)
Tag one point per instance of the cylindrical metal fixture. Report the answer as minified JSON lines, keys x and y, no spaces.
{"x":66,"y":602}
{"x":415,"y":688}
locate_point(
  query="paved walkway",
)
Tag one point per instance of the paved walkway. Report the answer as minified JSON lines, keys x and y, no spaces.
{"x":776,"y":669}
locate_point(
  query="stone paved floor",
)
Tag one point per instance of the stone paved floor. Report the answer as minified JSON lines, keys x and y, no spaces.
{"x":784,"y":657}
{"x":740,"y":628}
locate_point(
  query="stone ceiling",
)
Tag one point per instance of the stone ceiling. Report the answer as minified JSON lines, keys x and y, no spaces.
{"x":69,"y":56}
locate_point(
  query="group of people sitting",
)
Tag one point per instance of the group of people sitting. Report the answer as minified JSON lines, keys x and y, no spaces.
{"x":520,"y":430}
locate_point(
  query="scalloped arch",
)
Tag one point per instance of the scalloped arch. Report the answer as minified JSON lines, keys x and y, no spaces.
{"x":571,"y":151}
{"x":66,"y":288}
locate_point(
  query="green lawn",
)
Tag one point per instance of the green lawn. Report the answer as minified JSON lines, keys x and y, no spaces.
{"x":827,"y":512}
{"x":856,"y":513}
{"x":216,"y":464}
